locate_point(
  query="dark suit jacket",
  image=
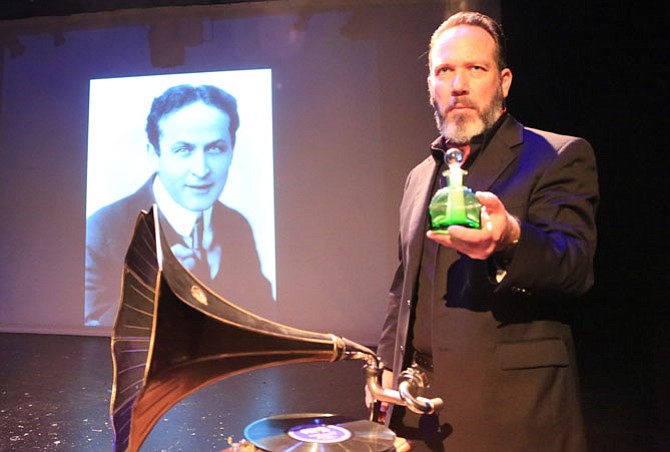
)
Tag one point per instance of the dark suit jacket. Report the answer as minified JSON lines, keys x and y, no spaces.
{"x":503,"y":353}
{"x":108,"y":233}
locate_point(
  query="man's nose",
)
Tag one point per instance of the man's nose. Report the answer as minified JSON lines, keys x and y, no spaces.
{"x":459,"y":83}
{"x":198,"y":163}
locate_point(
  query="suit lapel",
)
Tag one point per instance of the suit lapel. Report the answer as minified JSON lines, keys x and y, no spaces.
{"x":420,"y":193}
{"x":415,"y":207}
{"x":498,"y":155}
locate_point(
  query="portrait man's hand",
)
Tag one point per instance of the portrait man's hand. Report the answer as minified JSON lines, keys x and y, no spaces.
{"x":499,"y":231}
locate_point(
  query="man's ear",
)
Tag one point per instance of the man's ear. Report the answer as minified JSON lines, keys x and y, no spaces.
{"x":429,"y":82}
{"x":153,"y":155}
{"x":506,"y":81}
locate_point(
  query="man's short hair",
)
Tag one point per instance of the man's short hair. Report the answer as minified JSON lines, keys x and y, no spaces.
{"x":180,"y":96}
{"x":493,"y":28}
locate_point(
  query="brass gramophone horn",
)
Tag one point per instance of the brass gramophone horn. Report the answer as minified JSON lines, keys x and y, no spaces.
{"x":173,"y":336}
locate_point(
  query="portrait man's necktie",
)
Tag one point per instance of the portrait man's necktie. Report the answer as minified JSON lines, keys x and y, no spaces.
{"x":201,"y":268}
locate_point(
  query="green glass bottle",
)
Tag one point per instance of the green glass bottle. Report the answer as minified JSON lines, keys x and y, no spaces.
{"x":454,"y":204}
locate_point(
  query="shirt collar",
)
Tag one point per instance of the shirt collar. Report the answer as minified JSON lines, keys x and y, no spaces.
{"x":181,"y":219}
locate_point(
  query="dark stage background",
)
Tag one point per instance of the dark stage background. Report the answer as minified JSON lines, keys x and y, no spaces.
{"x":596,"y":69}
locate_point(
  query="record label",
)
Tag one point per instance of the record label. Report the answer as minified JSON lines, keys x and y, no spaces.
{"x":315,"y":433}
{"x":318,"y":432}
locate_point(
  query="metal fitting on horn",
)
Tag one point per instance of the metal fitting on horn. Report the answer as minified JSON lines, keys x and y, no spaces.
{"x":412,"y":382}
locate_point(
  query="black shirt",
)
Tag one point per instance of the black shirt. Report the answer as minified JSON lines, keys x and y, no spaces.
{"x":436,"y":259}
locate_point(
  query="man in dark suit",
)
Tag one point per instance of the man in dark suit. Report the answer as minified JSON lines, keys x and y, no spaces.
{"x":484,"y":312}
{"x":191,"y":133}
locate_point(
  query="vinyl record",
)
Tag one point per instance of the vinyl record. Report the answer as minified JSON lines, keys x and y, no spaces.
{"x":318,"y":432}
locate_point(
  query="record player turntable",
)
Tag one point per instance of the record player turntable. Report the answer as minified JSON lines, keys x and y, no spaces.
{"x":311,"y":432}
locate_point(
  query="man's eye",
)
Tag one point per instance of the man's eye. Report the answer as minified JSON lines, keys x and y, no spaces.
{"x":182,"y":150}
{"x":217,"y":149}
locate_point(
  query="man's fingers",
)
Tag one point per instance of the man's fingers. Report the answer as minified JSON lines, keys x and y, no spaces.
{"x":489,"y":201}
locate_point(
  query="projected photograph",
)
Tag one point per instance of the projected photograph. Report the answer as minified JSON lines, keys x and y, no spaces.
{"x":200,"y":147}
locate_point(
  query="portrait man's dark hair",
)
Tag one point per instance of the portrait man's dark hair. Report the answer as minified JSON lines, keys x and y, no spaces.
{"x":180,"y":96}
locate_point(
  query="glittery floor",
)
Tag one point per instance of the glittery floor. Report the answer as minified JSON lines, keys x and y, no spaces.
{"x":55,"y":390}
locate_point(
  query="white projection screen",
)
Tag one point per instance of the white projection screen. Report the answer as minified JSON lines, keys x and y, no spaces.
{"x":120,"y":162}
{"x":333,"y":113}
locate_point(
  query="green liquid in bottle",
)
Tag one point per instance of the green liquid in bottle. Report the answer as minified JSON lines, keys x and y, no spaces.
{"x":454,"y":204}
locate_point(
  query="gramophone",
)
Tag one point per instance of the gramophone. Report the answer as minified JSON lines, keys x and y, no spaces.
{"x":173,"y":336}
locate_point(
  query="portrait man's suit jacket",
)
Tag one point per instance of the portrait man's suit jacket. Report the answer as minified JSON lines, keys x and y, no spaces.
{"x":108,"y":233}
{"x":503,"y":352}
